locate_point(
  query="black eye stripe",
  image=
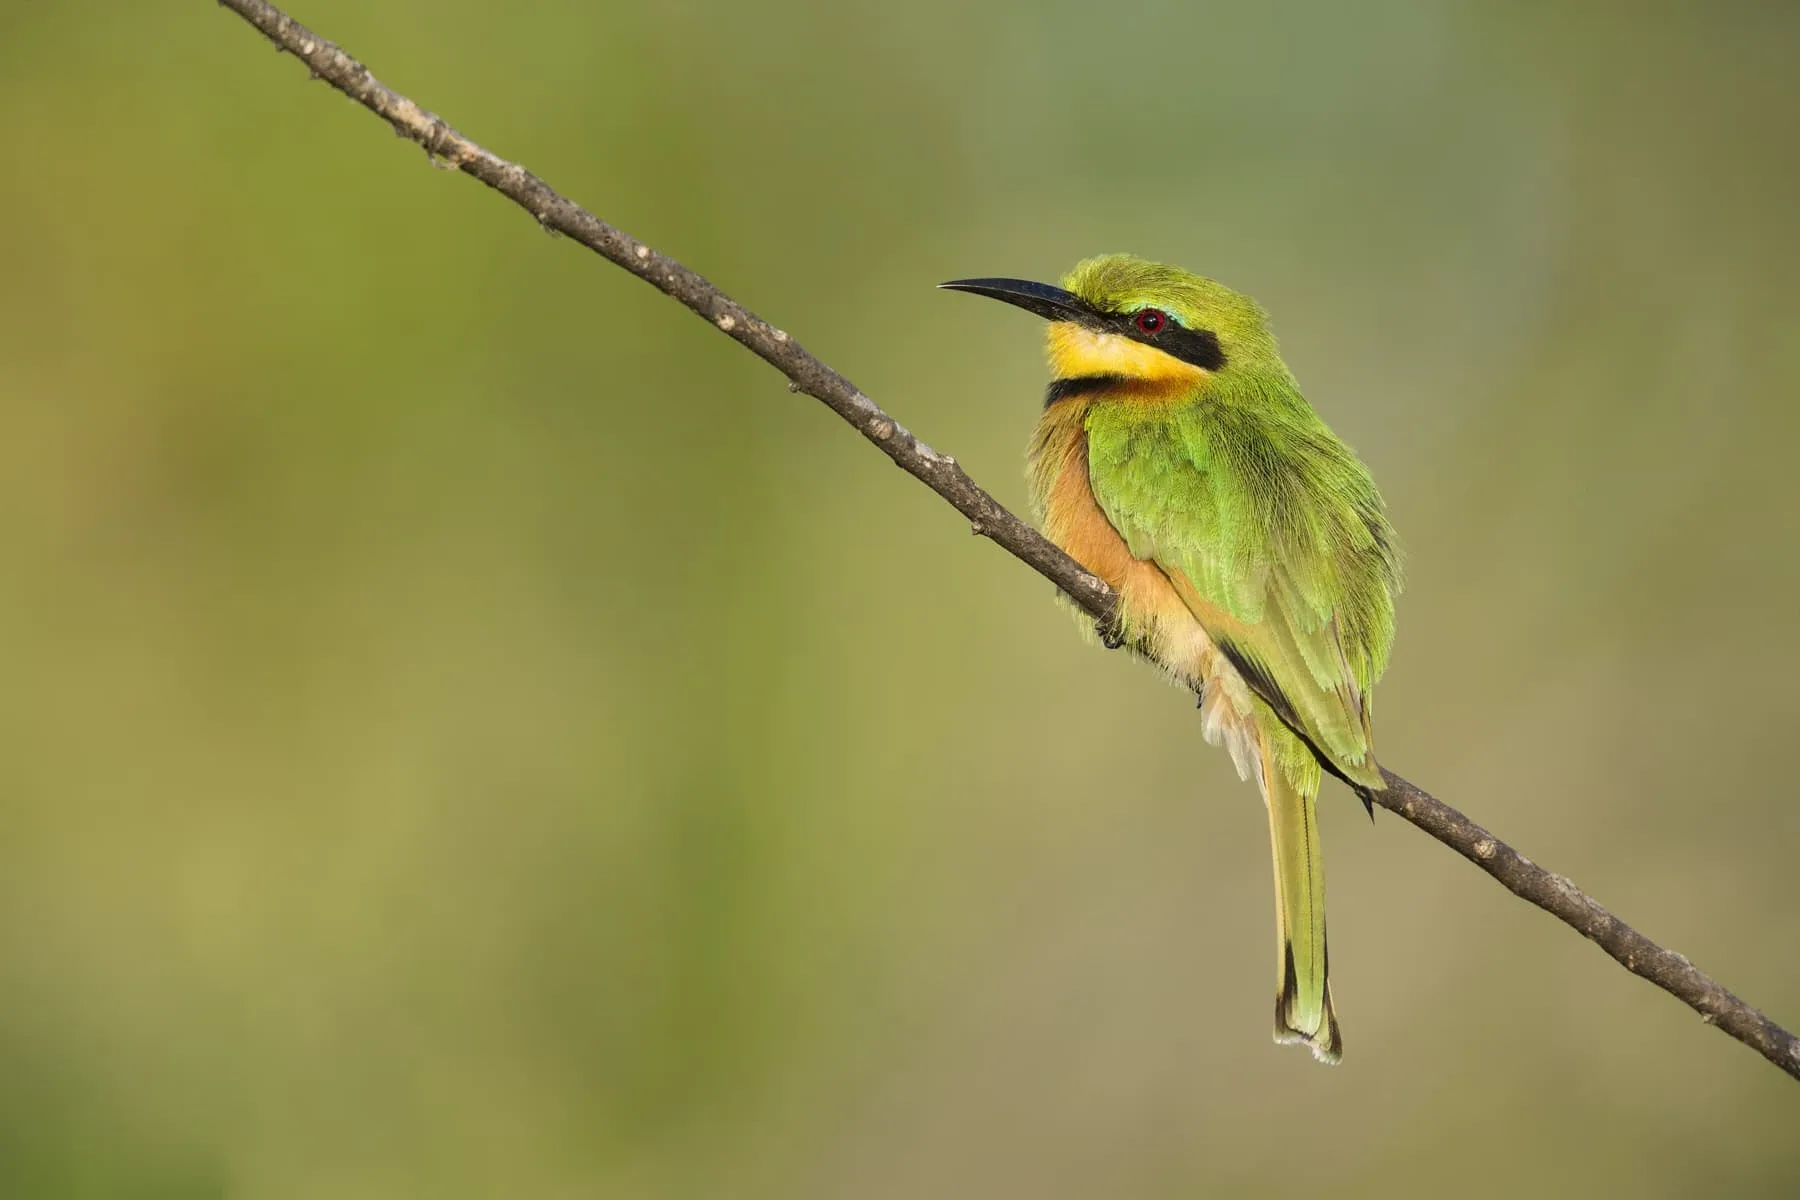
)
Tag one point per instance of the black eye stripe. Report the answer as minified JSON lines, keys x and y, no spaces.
{"x":1197,"y":346}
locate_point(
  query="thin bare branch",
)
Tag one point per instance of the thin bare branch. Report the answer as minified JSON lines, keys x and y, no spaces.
{"x":1551,"y":892}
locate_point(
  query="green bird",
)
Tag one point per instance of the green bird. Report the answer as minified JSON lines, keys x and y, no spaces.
{"x":1177,"y":460}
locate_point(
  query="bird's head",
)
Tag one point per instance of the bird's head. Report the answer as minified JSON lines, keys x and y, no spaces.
{"x":1120,"y":317}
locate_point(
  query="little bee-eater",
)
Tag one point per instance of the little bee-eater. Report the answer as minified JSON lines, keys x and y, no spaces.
{"x":1177,"y":460}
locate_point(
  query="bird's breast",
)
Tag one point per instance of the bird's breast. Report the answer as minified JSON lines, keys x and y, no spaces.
{"x":1152,"y":603}
{"x":1156,"y":614}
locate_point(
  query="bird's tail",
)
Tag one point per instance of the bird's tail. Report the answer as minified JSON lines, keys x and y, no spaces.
{"x":1303,"y":1010}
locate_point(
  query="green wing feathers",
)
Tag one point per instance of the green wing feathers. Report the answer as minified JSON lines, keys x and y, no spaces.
{"x":1281,"y":536}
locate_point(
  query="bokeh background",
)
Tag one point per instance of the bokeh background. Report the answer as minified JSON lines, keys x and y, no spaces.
{"x":467,"y":730}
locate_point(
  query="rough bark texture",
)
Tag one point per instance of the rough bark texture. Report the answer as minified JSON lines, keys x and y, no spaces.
{"x":1553,"y":893}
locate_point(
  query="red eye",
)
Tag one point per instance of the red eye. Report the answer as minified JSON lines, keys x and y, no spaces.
{"x":1151,"y":320}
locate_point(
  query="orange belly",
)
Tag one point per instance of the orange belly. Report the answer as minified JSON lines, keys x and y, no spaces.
{"x":1157,"y":604}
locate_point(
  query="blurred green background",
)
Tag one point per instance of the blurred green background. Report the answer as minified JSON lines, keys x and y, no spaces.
{"x":469,"y":731}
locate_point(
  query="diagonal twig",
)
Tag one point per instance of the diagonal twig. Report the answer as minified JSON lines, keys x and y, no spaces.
{"x":1551,"y":892}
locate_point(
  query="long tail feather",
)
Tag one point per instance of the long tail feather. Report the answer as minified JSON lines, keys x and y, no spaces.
{"x":1303,"y":1011}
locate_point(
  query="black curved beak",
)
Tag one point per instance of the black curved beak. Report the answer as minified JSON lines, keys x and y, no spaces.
{"x":1051,"y":303}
